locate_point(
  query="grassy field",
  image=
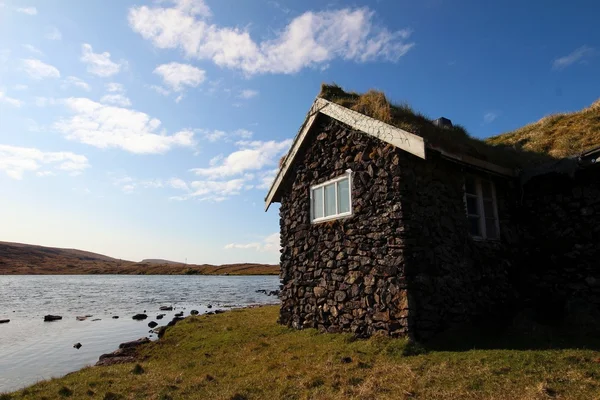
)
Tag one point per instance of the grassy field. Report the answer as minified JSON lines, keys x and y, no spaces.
{"x":25,"y":259}
{"x":245,"y":354}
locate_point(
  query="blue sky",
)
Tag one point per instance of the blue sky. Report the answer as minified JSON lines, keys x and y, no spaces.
{"x":152,"y":129}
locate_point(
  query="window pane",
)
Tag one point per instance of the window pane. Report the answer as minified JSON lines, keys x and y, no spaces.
{"x":329,"y":200}
{"x":472,"y":206}
{"x":486,"y":189}
{"x":318,"y":203}
{"x":490,"y":229}
{"x":343,"y":196}
{"x":488,"y":208}
{"x":474,"y":226}
{"x":470,"y":185}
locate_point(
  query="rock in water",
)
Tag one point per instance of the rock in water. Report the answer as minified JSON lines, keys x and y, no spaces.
{"x":4,"y":321}
{"x":81,"y":318}
{"x":152,"y":324}
{"x":179,"y":314}
{"x":77,"y":346}
{"x":48,"y":318}
{"x":140,"y":317}
{"x":160,"y":316}
{"x":115,"y":317}
{"x":209,"y":306}
{"x":166,"y":308}
{"x":194,"y":312}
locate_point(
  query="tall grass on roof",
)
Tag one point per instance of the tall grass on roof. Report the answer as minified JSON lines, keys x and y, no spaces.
{"x":456,"y":139}
{"x":558,"y":135}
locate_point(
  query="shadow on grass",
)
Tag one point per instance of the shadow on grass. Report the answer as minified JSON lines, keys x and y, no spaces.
{"x":527,"y":330}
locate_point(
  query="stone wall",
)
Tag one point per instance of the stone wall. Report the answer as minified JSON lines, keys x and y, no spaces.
{"x":453,"y":278}
{"x":560,"y":248}
{"x":404,"y":262}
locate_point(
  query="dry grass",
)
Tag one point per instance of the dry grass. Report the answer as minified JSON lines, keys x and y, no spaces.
{"x":376,"y":105}
{"x":244,"y":354}
{"x":559,"y":135}
{"x":23,"y":259}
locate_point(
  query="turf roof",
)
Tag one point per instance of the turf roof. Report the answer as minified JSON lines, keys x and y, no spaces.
{"x":522,"y":148}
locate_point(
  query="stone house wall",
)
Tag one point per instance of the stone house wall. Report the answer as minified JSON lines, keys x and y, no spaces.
{"x":404,"y":263}
{"x":453,"y":278}
{"x":560,"y":243}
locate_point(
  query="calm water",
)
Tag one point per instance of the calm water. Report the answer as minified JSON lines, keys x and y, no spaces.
{"x":32,"y":350}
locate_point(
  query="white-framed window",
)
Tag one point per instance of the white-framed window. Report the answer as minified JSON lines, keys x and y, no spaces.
{"x":482,"y":211}
{"x":332,"y":199}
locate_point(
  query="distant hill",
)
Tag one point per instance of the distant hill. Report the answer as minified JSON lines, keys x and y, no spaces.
{"x":27,"y":259}
{"x":558,"y":135}
{"x":160,"y":261}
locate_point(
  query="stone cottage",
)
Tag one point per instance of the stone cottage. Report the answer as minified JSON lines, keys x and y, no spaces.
{"x":391,"y":222}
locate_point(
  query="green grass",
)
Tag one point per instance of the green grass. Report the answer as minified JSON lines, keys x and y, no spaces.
{"x":245,"y":354}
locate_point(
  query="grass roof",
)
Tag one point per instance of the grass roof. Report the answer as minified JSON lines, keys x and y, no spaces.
{"x":558,"y":135}
{"x":456,"y":139}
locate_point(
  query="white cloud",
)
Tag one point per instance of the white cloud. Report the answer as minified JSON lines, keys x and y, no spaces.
{"x":271,"y":244}
{"x":33,"y":49}
{"x":45,"y":101}
{"x":489,"y":117}
{"x":10,"y":100}
{"x":177,"y":76}
{"x":105,"y":126}
{"x":99,"y":64}
{"x":116,"y":99}
{"x":53,"y":34}
{"x":40,"y":70}
{"x":20,"y":87}
{"x":247,"y":94}
{"x":15,"y":161}
{"x":160,"y":90}
{"x":252,"y":156}
{"x":267,"y":178}
{"x":77,"y":82}
{"x":217,"y":135}
{"x":177,"y":183}
{"x":114,"y":87}
{"x":312,"y":39}
{"x":27,"y":10}
{"x":578,"y":55}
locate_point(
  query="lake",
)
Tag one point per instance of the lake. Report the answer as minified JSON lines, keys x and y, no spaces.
{"x":33,"y":350}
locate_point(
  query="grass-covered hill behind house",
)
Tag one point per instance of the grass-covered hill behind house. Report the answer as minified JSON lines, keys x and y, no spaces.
{"x":26,"y":259}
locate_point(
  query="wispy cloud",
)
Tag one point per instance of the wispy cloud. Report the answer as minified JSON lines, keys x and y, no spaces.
{"x":577,"y":56}
{"x":33,"y":49}
{"x":27,"y":10}
{"x":313,"y":39}
{"x":106,"y":126}
{"x":99,"y":64}
{"x":53,"y":34}
{"x":116,"y":99}
{"x":16,"y":161}
{"x":40,"y":70}
{"x":178,"y":77}
{"x":73,"y":81}
{"x":489,"y":117}
{"x":271,"y":244}
{"x":251,"y":156}
{"x":10,"y":100}
{"x":218,"y":135}
{"x":247,"y":94}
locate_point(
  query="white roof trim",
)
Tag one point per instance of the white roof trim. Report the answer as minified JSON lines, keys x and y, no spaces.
{"x":400,"y":138}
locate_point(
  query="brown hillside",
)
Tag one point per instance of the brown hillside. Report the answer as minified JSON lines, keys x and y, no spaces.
{"x":558,"y":135}
{"x":25,"y":259}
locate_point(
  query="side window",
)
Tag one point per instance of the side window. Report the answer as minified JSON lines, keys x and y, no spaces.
{"x":482,"y":211}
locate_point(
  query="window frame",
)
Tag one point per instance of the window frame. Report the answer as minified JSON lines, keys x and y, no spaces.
{"x":481,"y":208}
{"x":347,"y":175}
